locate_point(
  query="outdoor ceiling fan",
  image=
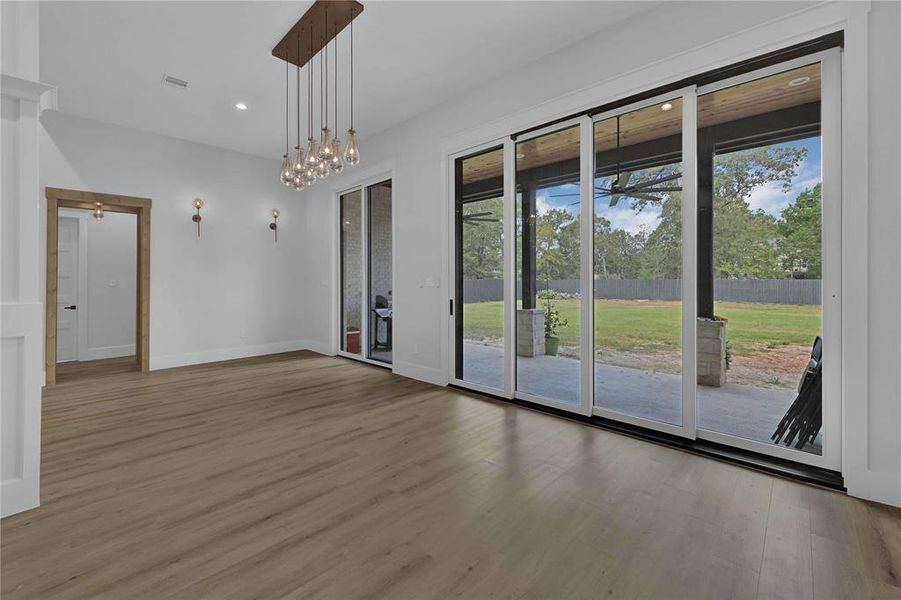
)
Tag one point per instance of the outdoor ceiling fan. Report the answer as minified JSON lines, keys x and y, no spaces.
{"x":642,"y":190}
{"x":479,"y":218}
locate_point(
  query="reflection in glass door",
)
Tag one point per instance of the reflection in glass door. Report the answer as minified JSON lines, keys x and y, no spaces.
{"x":479,"y":247}
{"x":548,"y":268}
{"x":638,"y":263}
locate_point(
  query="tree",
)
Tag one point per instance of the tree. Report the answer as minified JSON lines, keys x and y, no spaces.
{"x":483,"y":241}
{"x":744,"y":240}
{"x":557,"y":245}
{"x":800,"y":231}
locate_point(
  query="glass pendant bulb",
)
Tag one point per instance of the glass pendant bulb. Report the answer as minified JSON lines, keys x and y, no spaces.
{"x":322,"y":169}
{"x":312,"y":153}
{"x":298,"y":166}
{"x":325,"y":145}
{"x":336,"y":164}
{"x":299,"y":182}
{"x":285,"y":174}
{"x":351,"y":151}
{"x":309,"y":175}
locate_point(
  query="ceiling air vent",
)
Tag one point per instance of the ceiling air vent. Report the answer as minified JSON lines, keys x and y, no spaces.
{"x":174,"y":82}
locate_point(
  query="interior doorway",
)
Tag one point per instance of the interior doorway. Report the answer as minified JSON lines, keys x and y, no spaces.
{"x":366,"y":273}
{"x":66,"y":334}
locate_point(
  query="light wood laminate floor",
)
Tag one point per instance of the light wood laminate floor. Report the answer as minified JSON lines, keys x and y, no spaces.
{"x":304,"y":476}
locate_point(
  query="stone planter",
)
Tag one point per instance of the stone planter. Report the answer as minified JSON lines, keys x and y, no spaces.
{"x":530,"y":332}
{"x":711,"y":352}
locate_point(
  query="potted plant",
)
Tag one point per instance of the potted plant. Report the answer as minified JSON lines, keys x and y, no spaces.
{"x":552,"y":320}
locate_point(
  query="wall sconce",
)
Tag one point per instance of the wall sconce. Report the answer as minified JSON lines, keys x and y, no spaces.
{"x":98,"y":211}
{"x":198,"y":204}
{"x":274,"y":225}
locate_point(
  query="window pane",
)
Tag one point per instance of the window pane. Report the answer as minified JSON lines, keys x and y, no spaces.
{"x":351,"y":286}
{"x":548,"y":249}
{"x":760,"y":142}
{"x":381,"y":304}
{"x":480,"y":264}
{"x":638,"y":263}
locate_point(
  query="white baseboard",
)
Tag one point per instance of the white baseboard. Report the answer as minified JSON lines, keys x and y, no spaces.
{"x":18,"y":495}
{"x":108,"y":352}
{"x":426,"y":374}
{"x":878,"y":486}
{"x":318,"y":346}
{"x":206,"y":356}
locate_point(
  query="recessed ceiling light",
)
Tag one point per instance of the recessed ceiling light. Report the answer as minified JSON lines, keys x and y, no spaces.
{"x":798,"y":81}
{"x":240,"y":106}
{"x":666,"y":106}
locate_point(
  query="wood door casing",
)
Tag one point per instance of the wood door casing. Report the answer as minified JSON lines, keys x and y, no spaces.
{"x":63,"y":198}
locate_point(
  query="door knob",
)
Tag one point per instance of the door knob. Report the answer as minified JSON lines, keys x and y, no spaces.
{"x":70,"y":307}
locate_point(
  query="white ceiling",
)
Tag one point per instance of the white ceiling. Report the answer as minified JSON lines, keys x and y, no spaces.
{"x":107,"y":58}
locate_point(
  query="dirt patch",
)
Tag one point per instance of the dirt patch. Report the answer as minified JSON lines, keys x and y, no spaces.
{"x":779,"y":368}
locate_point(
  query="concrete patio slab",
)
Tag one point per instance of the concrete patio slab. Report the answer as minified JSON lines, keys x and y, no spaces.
{"x":741,"y":410}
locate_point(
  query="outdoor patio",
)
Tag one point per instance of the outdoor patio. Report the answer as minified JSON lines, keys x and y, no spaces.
{"x":742,"y":410}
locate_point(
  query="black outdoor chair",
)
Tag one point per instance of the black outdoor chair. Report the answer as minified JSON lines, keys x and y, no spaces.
{"x":804,"y":417}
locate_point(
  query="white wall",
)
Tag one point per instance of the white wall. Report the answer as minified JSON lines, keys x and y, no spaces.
{"x":107,"y":284}
{"x":232,"y":292}
{"x":111,"y":285}
{"x":675,"y":40}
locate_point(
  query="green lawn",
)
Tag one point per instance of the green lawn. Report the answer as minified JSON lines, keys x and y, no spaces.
{"x":629,"y":325}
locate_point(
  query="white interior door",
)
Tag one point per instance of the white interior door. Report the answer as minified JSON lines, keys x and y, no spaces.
{"x":67,"y":291}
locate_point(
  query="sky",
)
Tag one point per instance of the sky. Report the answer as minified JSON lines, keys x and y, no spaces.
{"x":770,"y":198}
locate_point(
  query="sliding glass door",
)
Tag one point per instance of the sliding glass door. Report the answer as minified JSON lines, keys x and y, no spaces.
{"x":673,"y":263}
{"x":639,"y":224}
{"x":479,"y":263}
{"x":548,"y":267}
{"x":767,"y":347}
{"x":366,"y":274}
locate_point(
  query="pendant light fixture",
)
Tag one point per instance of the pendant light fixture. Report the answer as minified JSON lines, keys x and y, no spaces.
{"x":297,"y":169}
{"x":322,"y":170}
{"x":286,"y":175}
{"x":336,"y":164}
{"x":325,"y":142}
{"x":351,"y":151}
{"x":312,"y":37}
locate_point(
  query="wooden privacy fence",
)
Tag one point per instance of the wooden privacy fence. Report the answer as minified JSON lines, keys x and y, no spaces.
{"x":769,"y":291}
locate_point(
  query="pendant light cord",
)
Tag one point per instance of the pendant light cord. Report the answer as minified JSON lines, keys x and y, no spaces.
{"x":287,"y":135}
{"x":321,"y":90}
{"x":310,"y":88}
{"x":325,"y":52}
{"x":297,"y":73}
{"x":336,"y":84}
{"x":352,"y":16}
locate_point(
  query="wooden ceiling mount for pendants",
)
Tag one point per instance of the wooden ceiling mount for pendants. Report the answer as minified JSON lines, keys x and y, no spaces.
{"x":326,"y":18}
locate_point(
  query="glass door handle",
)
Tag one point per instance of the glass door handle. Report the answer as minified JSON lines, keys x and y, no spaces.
{"x":70,"y":307}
